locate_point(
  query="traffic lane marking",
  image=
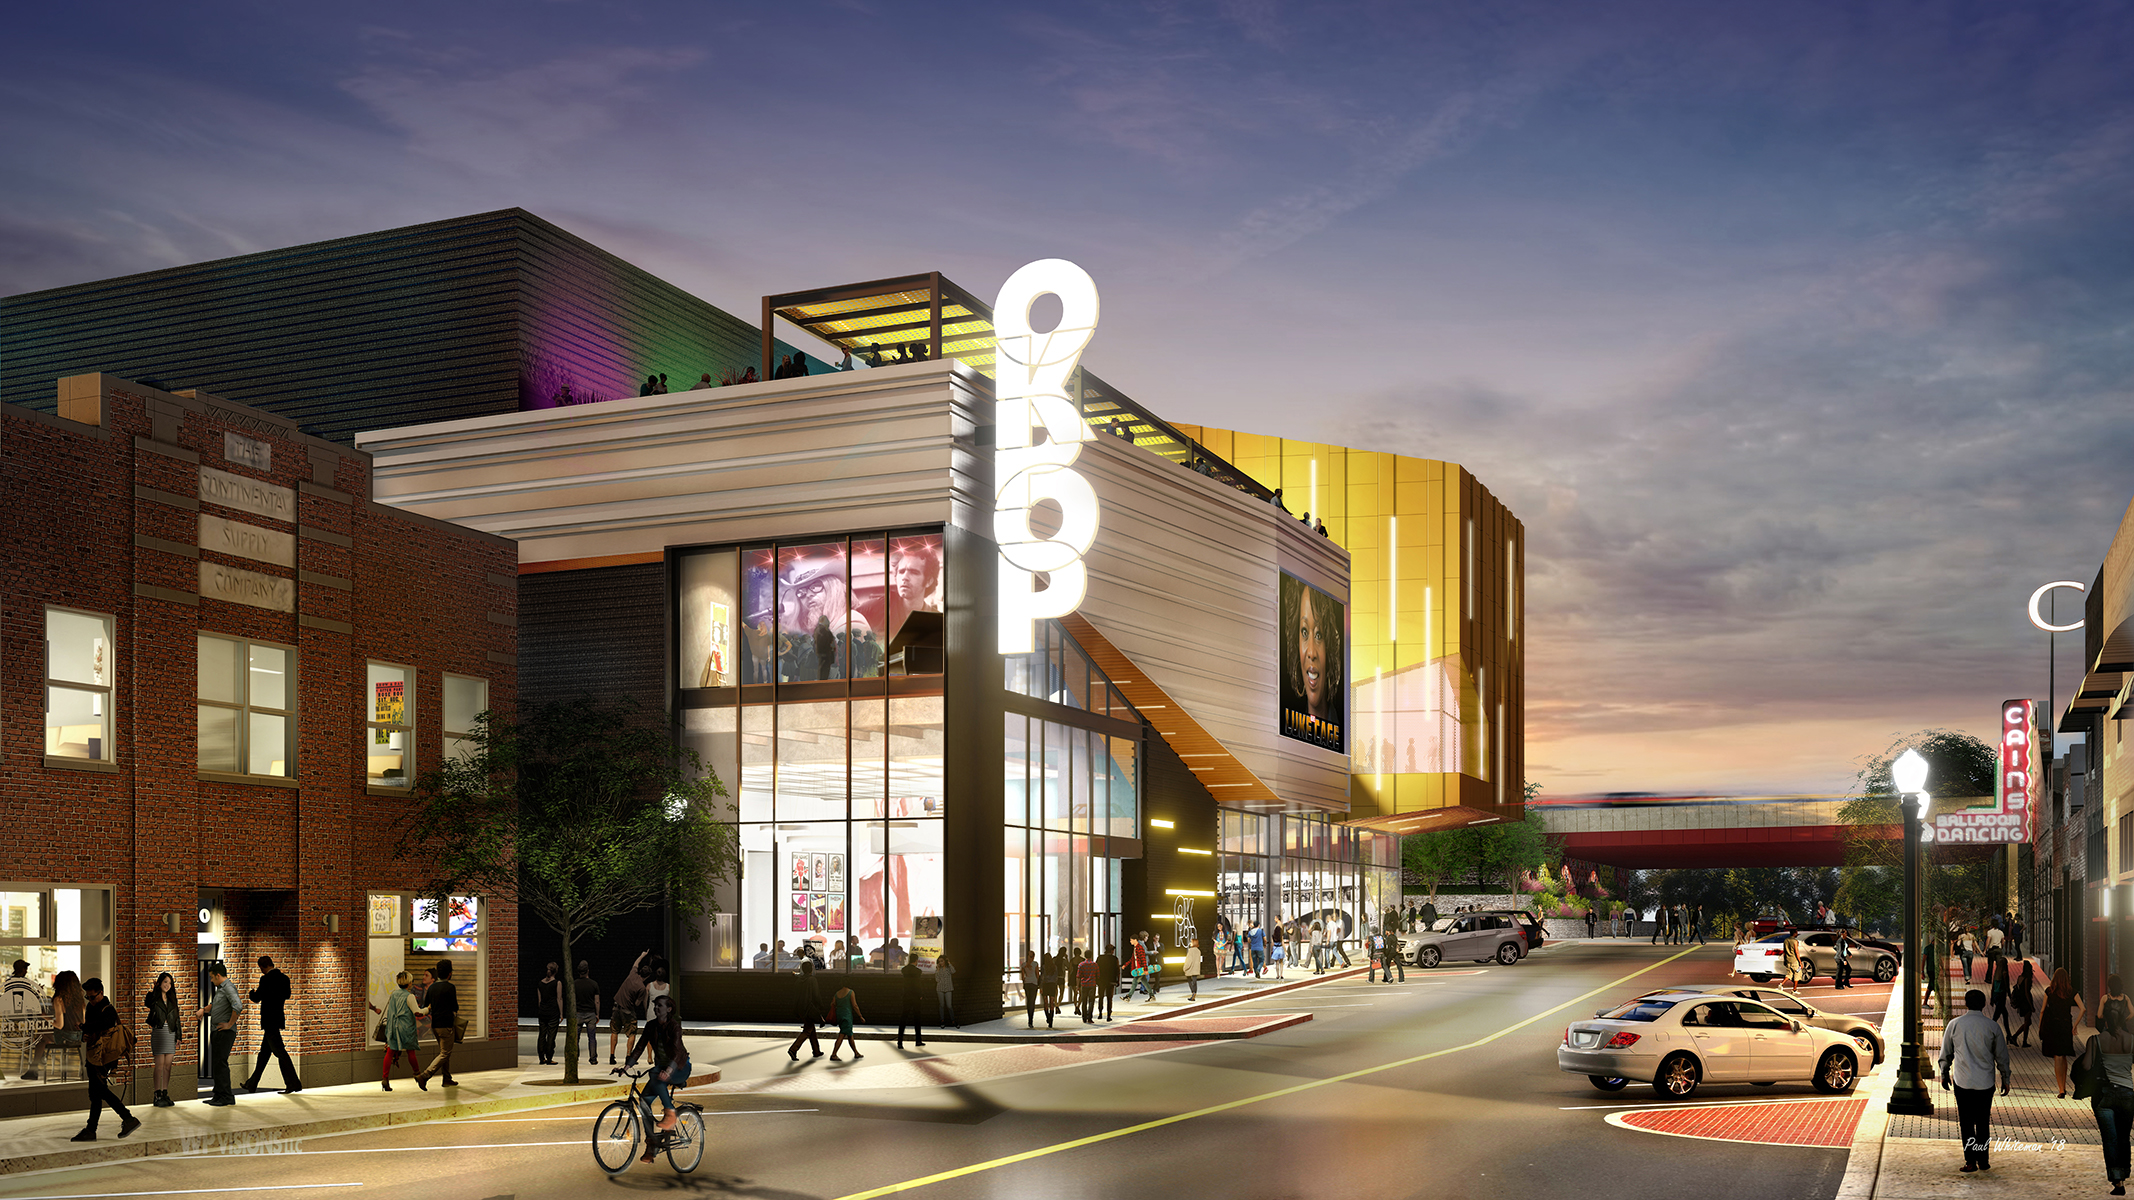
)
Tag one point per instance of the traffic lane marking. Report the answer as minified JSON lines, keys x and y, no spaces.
{"x":1176,"y":1118}
{"x":1666,"y":1106}
{"x":279,"y":1187}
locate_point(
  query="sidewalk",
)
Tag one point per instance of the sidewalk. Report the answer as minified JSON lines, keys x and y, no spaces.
{"x":265,"y":1121}
{"x":2044,"y":1146}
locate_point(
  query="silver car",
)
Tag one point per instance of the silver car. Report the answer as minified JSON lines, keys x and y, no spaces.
{"x":1479,"y":937}
{"x":1859,"y":1029}
{"x":1764,"y":959}
{"x":1678,"y":1040}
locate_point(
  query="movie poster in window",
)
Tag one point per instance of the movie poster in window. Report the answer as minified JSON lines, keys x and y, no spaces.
{"x":709,"y":634}
{"x":803,"y":877}
{"x":800,"y":912}
{"x":914,"y":608}
{"x":834,"y":913}
{"x":759,"y":615}
{"x":390,"y":703}
{"x":1313,"y":638}
{"x":818,"y":871}
{"x":816,"y":618}
{"x":836,"y":882}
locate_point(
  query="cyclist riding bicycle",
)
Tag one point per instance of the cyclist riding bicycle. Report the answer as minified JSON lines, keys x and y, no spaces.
{"x":670,"y":1068}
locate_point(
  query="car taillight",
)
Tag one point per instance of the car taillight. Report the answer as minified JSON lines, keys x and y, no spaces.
{"x":1567,"y":1035}
{"x":1622,"y":1040}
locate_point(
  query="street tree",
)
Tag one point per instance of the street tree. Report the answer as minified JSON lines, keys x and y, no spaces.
{"x":1960,"y":771}
{"x":582,"y":812}
{"x":1437,"y":859}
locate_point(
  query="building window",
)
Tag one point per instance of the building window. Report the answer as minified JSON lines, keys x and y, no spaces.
{"x":54,"y":928}
{"x":247,"y":707}
{"x":466,"y":698}
{"x":414,"y":934}
{"x":77,"y":693}
{"x":389,"y":726}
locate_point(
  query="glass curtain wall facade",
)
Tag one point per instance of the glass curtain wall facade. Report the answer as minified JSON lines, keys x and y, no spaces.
{"x":809,"y":681}
{"x":1072,"y":797}
{"x":1296,"y":868}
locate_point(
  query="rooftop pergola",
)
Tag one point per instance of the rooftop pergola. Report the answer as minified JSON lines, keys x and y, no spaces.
{"x":916,"y":318}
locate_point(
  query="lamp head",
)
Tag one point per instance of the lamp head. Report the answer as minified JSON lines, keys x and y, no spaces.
{"x":1909,"y":772}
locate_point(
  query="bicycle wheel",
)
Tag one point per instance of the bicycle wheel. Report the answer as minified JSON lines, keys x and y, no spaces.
{"x":616,"y":1135}
{"x":685,"y":1146}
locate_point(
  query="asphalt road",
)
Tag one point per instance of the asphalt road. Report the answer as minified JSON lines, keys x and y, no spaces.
{"x":1443,"y":1086}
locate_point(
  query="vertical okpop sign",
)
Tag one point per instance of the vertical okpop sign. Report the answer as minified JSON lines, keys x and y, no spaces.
{"x":1039,"y":435}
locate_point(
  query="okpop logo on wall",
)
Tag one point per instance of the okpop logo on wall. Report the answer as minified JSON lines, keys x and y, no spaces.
{"x":1031,"y":376}
{"x":2013,"y":814}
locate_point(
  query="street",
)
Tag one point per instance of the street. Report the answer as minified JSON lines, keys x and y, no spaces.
{"x":1442,"y":1086}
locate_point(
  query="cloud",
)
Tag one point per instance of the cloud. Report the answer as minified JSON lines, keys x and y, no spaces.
{"x":510,"y":123}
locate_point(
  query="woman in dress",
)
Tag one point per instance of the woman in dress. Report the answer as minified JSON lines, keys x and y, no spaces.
{"x":2023,"y":995}
{"x":2056,"y":1029}
{"x":166,"y":1026}
{"x":2111,"y":1052}
{"x":1997,"y":998}
{"x":400,"y":1032}
{"x":845,"y":1008}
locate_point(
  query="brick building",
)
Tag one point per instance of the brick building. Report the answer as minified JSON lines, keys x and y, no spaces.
{"x":242,"y":663}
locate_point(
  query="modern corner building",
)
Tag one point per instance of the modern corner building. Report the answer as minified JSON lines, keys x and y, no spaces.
{"x":221,"y":667}
{"x":1230,"y":727}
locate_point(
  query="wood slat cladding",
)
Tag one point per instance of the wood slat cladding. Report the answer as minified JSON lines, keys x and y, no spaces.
{"x":481,"y":314}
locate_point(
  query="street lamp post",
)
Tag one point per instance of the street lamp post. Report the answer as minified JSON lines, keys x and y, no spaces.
{"x":1910,"y":1096}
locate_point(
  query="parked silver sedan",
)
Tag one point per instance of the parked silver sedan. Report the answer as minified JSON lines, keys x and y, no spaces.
{"x":1679,"y":1040}
{"x":1858,"y":1028}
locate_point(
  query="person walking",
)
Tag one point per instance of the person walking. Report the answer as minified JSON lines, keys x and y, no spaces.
{"x":1966,"y":949}
{"x":1841,"y":961}
{"x":912,"y":999}
{"x":585,"y":995}
{"x":548,"y":1009}
{"x":1592,"y":919}
{"x":1277,"y":950}
{"x":1659,"y":925}
{"x":1193,"y":969}
{"x":443,"y":1003}
{"x":845,"y":1009}
{"x":1995,"y":936}
{"x":1031,"y":972}
{"x":1256,"y":945}
{"x":1051,"y":972}
{"x":221,"y":1011}
{"x":166,"y":1028}
{"x":808,"y":1008}
{"x":628,"y":1005}
{"x":1972,"y":1049}
{"x":269,"y":997}
{"x":1085,"y":987}
{"x":1107,"y":979}
{"x":2108,"y":1055}
{"x":1318,"y":948}
{"x":2056,"y":1029}
{"x":401,"y":1034}
{"x":1377,"y":949}
{"x":101,"y":1017}
{"x":1795,"y":960}
{"x":1997,"y":982}
{"x":945,"y":992}
{"x":2024,"y":996}
{"x":1137,"y":963}
{"x":2015,"y":937}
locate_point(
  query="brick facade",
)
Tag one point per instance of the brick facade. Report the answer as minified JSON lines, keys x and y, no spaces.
{"x":101,"y":510}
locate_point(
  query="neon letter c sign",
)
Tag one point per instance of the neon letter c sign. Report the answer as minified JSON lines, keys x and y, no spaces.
{"x":2038,"y":620}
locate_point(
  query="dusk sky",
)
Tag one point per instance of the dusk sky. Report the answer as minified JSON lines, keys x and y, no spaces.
{"x":1800,"y":336}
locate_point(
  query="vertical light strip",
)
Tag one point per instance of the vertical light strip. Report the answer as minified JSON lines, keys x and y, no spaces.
{"x":1511,"y":594}
{"x":1427,"y":654}
{"x":1468,"y":613}
{"x":1482,"y":712}
{"x":1500,"y":752}
{"x":1378,"y":724}
{"x":1315,"y":489}
{"x":1392,"y":579}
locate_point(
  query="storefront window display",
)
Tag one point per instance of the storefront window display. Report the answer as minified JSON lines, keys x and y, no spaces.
{"x":50,"y":928}
{"x":1297,"y":868}
{"x":415,"y":933}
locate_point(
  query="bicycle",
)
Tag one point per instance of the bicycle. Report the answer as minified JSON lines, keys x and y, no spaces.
{"x":620,"y":1131}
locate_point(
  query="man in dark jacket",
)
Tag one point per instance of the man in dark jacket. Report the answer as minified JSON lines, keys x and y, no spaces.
{"x":1107,"y":979}
{"x":807,"y":1009}
{"x":912,"y":1009}
{"x":271,"y":995}
{"x":100,"y":1019}
{"x":444,"y":1013}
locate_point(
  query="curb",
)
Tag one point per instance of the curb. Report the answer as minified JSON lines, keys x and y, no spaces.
{"x":215,"y":1141}
{"x":1121,"y":1031}
{"x":1863,"y":1164}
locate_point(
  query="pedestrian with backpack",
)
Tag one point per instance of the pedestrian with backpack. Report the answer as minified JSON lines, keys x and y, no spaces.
{"x":106,"y":1042}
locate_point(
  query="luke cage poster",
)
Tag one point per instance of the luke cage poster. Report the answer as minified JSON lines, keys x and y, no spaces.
{"x":1313,"y":637}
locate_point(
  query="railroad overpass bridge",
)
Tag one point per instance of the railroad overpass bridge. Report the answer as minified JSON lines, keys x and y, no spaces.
{"x":1644,"y":831}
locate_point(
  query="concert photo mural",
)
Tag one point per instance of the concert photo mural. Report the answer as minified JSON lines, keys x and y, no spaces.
{"x":1313,"y":637}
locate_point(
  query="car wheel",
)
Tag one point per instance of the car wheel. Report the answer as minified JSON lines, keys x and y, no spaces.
{"x":1836,"y":1072}
{"x":1678,"y":1077}
{"x":1507,"y":954}
{"x":1609,"y":1083}
{"x":1761,"y":978}
{"x":1885,"y":969}
{"x":1429,"y":956}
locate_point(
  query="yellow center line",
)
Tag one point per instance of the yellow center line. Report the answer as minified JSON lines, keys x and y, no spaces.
{"x":1160,"y":1122}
